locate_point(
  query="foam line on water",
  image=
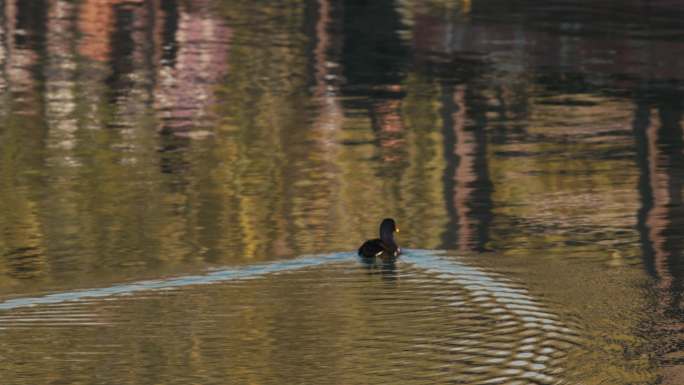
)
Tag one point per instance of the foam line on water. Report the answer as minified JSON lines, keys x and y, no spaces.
{"x":477,"y":280}
{"x":222,"y":275}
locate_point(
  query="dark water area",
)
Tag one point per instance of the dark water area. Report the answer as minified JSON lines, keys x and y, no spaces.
{"x":183,"y":186}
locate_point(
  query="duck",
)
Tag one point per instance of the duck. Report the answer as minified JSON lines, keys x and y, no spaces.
{"x":385,"y":246}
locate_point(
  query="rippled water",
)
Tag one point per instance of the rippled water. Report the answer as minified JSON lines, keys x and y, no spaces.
{"x":428,"y":317}
{"x":183,"y":185}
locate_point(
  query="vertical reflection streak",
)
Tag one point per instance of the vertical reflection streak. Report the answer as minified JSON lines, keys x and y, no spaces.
{"x":330,"y":116}
{"x":195,"y":55}
{"x":60,"y":85}
{"x":642,"y":120}
{"x":25,"y":39}
{"x":464,"y":178}
{"x":467,"y":185}
{"x":450,"y":114}
{"x":3,"y":52}
{"x":656,"y":219}
{"x":660,"y":157}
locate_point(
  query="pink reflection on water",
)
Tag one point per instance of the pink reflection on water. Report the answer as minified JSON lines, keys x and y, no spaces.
{"x":185,"y":90}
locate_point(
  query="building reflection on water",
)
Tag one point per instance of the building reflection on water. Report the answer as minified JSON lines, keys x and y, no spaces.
{"x":155,"y":73}
{"x":660,"y":147}
{"x":622,"y":67}
{"x":467,"y":186}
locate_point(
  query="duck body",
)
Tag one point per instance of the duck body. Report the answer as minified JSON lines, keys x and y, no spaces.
{"x":373,"y":248}
{"x":383,"y":247}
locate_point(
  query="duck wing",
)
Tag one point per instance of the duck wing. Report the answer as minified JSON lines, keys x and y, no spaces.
{"x":371,"y":248}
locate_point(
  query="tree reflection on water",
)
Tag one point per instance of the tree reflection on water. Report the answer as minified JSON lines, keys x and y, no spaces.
{"x":147,"y":138}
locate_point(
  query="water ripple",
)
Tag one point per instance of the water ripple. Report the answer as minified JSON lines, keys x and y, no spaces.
{"x":435,"y":319}
{"x":212,"y":277}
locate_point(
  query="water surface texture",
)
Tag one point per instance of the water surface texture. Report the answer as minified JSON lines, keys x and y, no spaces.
{"x":183,"y":185}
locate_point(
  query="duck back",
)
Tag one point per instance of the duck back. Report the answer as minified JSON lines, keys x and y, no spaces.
{"x":371,"y":248}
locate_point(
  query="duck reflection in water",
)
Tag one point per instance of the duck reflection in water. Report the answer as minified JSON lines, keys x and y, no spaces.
{"x":386,"y":267}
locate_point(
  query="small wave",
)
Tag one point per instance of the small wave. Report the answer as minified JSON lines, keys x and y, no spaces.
{"x":485,"y":327}
{"x":249,"y":272}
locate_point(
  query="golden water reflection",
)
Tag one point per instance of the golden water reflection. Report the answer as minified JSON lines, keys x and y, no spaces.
{"x":147,"y":139}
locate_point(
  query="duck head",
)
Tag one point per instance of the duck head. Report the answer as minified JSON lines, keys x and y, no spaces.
{"x":387,"y":229}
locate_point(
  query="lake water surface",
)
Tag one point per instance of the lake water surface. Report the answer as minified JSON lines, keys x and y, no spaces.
{"x":184,"y":183}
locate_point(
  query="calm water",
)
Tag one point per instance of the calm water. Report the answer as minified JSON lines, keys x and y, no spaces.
{"x":183,"y":185}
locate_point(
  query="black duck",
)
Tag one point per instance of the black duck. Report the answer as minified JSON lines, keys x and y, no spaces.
{"x":385,"y":246}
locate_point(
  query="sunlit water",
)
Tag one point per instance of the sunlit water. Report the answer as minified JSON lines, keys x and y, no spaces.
{"x":183,"y":186}
{"x":428,"y":317}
